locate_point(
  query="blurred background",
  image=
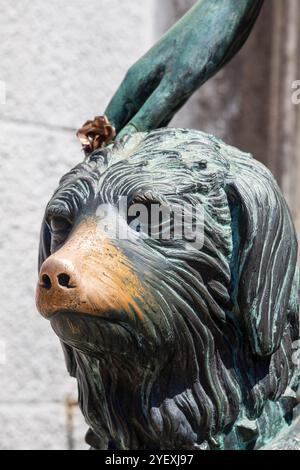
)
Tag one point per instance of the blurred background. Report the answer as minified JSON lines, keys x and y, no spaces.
{"x":60,"y":63}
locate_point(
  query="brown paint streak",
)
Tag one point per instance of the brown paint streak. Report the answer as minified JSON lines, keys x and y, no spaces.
{"x":101,"y":276}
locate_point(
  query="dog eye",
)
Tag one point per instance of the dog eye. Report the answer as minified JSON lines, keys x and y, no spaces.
{"x":59,"y":224}
{"x":60,"y":229}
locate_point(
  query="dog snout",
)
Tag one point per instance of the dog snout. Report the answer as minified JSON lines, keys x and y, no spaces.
{"x":88,"y":275}
{"x":57,"y":274}
{"x":59,"y":286}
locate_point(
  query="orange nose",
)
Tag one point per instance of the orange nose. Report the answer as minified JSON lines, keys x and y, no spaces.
{"x":59,"y":286}
{"x":58,"y":274}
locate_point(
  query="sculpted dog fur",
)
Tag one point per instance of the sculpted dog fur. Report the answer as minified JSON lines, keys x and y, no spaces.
{"x":173,"y":346}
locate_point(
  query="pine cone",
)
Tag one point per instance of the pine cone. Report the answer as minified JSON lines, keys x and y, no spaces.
{"x":96,"y":134}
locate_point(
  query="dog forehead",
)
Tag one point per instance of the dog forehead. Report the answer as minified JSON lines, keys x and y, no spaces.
{"x":161,"y":145}
{"x":167,"y":145}
{"x":170,"y":160}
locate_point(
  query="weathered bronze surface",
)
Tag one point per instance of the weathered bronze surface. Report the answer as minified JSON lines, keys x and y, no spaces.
{"x":174,"y":347}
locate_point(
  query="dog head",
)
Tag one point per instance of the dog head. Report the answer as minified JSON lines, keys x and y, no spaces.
{"x":200,"y":309}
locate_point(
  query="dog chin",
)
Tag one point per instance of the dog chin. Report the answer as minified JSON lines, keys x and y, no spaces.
{"x":95,"y":335}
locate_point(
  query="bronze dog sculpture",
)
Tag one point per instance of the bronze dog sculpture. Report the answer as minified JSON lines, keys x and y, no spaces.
{"x":174,"y":347}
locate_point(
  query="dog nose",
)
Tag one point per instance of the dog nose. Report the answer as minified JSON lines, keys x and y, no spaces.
{"x":57,"y":274}
{"x":59,"y":286}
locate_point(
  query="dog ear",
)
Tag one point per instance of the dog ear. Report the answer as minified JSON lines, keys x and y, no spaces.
{"x":44,"y":253}
{"x":267,"y":256}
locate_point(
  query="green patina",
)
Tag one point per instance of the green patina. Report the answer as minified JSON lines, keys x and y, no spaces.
{"x":190,"y":53}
